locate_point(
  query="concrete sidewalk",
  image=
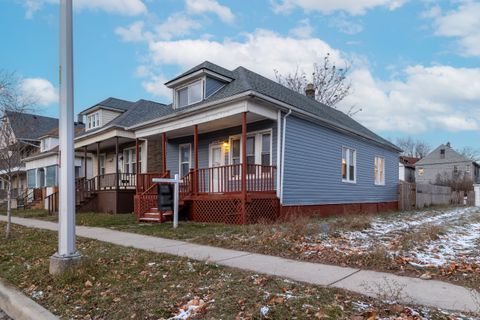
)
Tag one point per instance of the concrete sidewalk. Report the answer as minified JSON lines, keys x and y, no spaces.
{"x":430,"y":293}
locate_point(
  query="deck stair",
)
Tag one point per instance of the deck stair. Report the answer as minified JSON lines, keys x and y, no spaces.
{"x":153,"y":215}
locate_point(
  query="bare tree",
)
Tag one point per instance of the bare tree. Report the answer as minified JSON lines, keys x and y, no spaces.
{"x":413,"y":148}
{"x":330,"y":83}
{"x":471,"y":153}
{"x":458,"y":181}
{"x":13,"y":103}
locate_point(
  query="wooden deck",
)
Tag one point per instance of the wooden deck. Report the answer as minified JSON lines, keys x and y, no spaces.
{"x":217,"y":195}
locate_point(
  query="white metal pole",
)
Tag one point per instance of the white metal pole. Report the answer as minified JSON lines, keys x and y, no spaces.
{"x":176,"y":198}
{"x":66,"y":219}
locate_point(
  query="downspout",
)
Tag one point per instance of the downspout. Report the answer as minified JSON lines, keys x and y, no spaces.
{"x":279,"y":145}
{"x":284,"y":127}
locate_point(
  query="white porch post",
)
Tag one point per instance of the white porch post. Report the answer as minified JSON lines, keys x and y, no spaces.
{"x":67,"y":254}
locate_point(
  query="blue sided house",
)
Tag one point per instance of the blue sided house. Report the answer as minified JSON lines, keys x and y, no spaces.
{"x":249,"y":149}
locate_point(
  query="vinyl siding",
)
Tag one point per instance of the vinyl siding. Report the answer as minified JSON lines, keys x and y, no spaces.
{"x":204,"y":140}
{"x":313,"y":159}
{"x":212,"y":85}
{"x":107,"y":115}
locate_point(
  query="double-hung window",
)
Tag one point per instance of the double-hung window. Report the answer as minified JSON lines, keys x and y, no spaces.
{"x":379,"y":170}
{"x":258,"y":147}
{"x":250,"y":155}
{"x":93,"y":120}
{"x":349,"y":165}
{"x":185,"y":158}
{"x":190,"y":94}
{"x":130,"y":160}
{"x":102,"y":164}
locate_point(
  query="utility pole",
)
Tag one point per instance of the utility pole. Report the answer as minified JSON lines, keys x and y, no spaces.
{"x":66,"y":256}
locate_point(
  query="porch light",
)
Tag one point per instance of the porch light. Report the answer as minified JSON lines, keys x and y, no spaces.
{"x":226,"y":144}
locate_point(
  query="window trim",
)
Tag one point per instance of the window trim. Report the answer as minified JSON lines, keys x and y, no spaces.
{"x":258,"y":145}
{"x":188,"y":85}
{"x":96,"y":123}
{"x":104,"y":155}
{"x":382,"y":182}
{"x":180,"y":157}
{"x":135,"y":159}
{"x":354,"y":181}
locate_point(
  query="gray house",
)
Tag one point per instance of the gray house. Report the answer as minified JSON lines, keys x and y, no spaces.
{"x":444,"y":161}
{"x":249,"y":148}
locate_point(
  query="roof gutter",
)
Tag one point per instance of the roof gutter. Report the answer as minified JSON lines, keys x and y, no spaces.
{"x":252,"y":93}
{"x":287,"y":106}
{"x":190,"y":111}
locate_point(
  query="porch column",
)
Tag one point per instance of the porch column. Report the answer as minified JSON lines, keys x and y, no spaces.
{"x":195,"y":159}
{"x":85,"y":161}
{"x":98,"y":165}
{"x":137,"y":157}
{"x":164,"y":152}
{"x":244,"y":166}
{"x":116,"y":164}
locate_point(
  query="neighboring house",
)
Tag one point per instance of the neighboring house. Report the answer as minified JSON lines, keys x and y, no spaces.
{"x":114,"y":152}
{"x":406,"y":168}
{"x":249,"y":149}
{"x":444,"y":161}
{"x":42,"y":166}
{"x":26,"y":129}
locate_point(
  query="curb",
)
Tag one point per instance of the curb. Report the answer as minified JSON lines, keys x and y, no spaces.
{"x":19,"y":307}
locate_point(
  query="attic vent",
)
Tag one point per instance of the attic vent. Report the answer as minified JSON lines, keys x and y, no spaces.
{"x":442,"y":153}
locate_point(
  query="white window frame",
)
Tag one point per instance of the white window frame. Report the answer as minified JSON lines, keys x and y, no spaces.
{"x":132,"y":162}
{"x":258,"y":145}
{"x":347,"y":155}
{"x":188,"y":85}
{"x":376,"y":171}
{"x":180,"y":157}
{"x":93,"y":120}
{"x":104,"y":156}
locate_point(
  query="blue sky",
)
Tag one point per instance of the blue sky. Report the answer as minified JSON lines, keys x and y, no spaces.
{"x":415,"y":64}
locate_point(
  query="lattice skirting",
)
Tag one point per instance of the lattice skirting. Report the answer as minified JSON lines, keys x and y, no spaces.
{"x":262,"y":210}
{"x":143,"y":204}
{"x":230,"y":210}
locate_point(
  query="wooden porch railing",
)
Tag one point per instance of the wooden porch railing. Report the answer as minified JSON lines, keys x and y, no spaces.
{"x":145,"y":185}
{"x":228,"y":179}
{"x":109,"y":181}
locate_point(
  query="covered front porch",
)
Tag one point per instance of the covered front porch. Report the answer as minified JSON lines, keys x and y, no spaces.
{"x":112,"y":183}
{"x":228,"y":167}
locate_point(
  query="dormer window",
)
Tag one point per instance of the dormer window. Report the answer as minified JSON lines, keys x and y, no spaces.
{"x":93,"y":120}
{"x":190,"y":94}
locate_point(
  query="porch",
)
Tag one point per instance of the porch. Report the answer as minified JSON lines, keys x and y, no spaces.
{"x":237,"y":183}
{"x":110,"y":183}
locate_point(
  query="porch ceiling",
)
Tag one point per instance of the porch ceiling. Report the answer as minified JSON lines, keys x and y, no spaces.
{"x":106,"y":144}
{"x":210,"y":126}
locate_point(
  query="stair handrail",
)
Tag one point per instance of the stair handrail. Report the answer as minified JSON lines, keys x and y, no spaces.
{"x":155,"y":184}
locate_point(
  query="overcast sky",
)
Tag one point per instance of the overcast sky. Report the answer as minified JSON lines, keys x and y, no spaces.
{"x":415,"y":63}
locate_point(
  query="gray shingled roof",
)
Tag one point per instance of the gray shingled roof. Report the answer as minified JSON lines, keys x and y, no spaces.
{"x":113,"y":103}
{"x":27,"y":126}
{"x":247,"y":80}
{"x":138,"y":112}
{"x":208,"y":66}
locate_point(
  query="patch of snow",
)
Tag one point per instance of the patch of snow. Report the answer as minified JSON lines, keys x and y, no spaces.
{"x":264,"y":311}
{"x":461,"y":242}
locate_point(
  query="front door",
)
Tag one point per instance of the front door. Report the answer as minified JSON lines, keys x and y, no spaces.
{"x":216,"y":160}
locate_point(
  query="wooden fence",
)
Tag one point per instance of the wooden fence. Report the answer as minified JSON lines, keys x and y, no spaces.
{"x":463,"y":198}
{"x":418,"y":196}
{"x":406,"y":196}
